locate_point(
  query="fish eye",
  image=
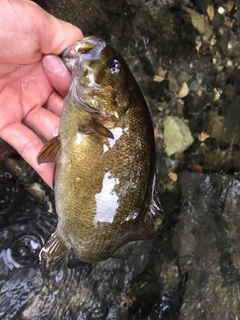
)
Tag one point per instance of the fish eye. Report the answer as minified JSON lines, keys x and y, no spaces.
{"x":114,"y":65}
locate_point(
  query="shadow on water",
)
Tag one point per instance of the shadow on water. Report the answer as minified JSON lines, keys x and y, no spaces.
{"x":191,"y":271}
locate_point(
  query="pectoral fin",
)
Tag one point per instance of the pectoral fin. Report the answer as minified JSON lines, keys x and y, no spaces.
{"x":50,"y":151}
{"x":100,"y":129}
{"x":53,"y":253}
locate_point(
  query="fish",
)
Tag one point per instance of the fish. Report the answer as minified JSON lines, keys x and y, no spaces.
{"x":105,"y":182}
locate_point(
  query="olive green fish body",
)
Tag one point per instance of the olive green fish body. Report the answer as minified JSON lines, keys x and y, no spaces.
{"x":105,"y":183}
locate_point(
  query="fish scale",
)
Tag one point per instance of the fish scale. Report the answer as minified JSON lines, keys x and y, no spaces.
{"x":105,"y":181}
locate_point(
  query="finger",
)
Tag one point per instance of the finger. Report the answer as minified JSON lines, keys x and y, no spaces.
{"x":43,"y":122}
{"x":55,"y":104}
{"x":56,"y":35}
{"x":28,"y":146}
{"x":58,"y":74}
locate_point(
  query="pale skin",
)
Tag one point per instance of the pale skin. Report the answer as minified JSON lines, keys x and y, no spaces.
{"x":33,"y":80}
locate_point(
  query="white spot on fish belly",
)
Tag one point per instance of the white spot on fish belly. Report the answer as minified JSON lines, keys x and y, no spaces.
{"x":106,"y":200}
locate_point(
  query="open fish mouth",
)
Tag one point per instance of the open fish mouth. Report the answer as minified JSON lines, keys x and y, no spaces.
{"x":76,"y":58}
{"x":89,"y":48}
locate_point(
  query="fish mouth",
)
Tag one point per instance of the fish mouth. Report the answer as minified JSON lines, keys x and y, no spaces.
{"x":85,"y":45}
{"x":88,"y":48}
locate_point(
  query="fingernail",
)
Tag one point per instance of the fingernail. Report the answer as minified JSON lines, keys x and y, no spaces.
{"x":53,"y":64}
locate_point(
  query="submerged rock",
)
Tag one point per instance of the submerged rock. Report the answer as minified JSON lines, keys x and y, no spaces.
{"x":177,"y":136}
{"x":192,"y":270}
{"x":183,"y":92}
{"x":207,"y":241}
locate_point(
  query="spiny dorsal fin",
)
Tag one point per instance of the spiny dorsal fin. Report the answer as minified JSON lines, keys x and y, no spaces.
{"x":53,"y":253}
{"x":100,"y":129}
{"x":50,"y":152}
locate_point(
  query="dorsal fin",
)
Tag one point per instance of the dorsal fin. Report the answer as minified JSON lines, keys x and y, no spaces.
{"x":100,"y":129}
{"x":50,"y":152}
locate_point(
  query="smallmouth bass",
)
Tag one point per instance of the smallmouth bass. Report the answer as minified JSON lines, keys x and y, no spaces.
{"x":105,"y":180}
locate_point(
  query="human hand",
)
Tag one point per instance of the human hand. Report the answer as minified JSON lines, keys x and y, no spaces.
{"x":33,"y":80}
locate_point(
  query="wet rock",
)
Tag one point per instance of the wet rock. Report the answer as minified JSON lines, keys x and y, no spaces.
{"x":177,"y":136}
{"x":76,"y":12}
{"x":232,"y":122}
{"x":196,"y":84}
{"x":161,"y":72}
{"x":162,"y":168}
{"x":227,"y":160}
{"x":215,"y":126}
{"x":37,"y":191}
{"x":173,"y":85}
{"x":11,"y":161}
{"x":202,"y":5}
{"x":183,"y":92}
{"x":198,"y":21}
{"x":183,"y":76}
{"x":207,"y":241}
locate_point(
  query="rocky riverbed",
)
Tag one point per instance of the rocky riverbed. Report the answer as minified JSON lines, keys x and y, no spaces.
{"x":185,"y":56}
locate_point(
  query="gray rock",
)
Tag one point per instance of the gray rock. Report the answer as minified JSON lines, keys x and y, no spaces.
{"x":177,"y":136}
{"x":183,"y":76}
{"x":207,"y":241}
{"x":195,"y":85}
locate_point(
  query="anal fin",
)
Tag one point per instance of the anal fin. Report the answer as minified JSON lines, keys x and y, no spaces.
{"x":50,"y":152}
{"x":53,"y":253}
{"x":143,"y":232}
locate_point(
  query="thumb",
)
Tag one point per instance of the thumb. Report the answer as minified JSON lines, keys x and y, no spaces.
{"x":56,"y":35}
{"x":57,"y":73}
